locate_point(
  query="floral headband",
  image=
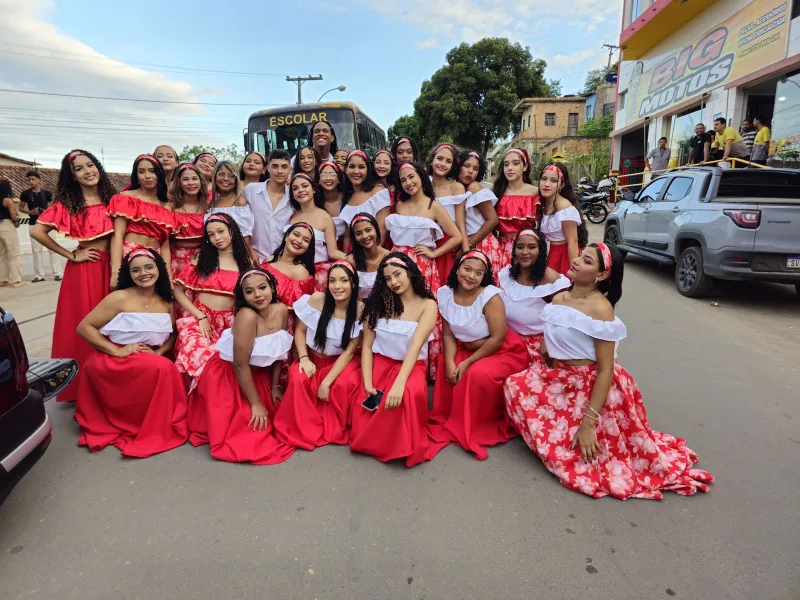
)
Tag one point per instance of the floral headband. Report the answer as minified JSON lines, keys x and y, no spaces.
{"x":149,"y":157}
{"x":202,"y":154}
{"x":138,"y":252}
{"x":344,"y":264}
{"x":396,"y":261}
{"x":247,"y":274}
{"x":553,"y":169}
{"x":360,"y":153}
{"x":406,"y":165}
{"x":528,"y":232}
{"x":605,"y":252}
{"x":475,"y":254}
{"x":518,"y":152}
{"x":219,"y":217}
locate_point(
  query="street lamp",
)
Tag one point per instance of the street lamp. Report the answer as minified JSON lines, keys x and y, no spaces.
{"x":341,"y":88}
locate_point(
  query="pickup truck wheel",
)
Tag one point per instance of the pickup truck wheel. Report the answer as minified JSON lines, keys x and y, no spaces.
{"x":690,"y":278}
{"x":611,"y":236}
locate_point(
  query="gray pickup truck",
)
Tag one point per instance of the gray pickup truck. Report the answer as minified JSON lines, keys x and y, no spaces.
{"x":713,"y":223}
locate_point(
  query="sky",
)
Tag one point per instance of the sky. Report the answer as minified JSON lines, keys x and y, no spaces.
{"x":184,"y":55}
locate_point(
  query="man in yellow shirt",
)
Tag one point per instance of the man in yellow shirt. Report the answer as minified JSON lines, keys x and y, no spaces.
{"x":761,"y":142}
{"x":729,"y":142}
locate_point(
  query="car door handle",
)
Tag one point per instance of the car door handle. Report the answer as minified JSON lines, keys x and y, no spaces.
{"x":676,"y":209}
{"x":645,"y":211}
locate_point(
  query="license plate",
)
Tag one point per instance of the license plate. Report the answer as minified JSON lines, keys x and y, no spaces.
{"x":793,"y":262}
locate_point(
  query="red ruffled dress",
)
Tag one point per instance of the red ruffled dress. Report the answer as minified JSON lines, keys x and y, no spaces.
{"x":219,"y":411}
{"x":145,"y":218}
{"x":515,"y":213}
{"x":303,"y":420}
{"x":445,"y":262}
{"x":192,"y":348}
{"x":289,"y":290}
{"x":474,"y":221}
{"x":190,"y":228}
{"x":547,"y":406}
{"x":557,"y":255}
{"x":400,"y":432}
{"x":472,"y":413}
{"x":140,"y":416}
{"x":84,"y":284}
{"x":524,"y":305}
{"x":407,"y":232}
{"x":321,"y":262}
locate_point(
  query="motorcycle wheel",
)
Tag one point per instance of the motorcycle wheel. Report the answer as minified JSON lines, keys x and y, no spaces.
{"x":596,"y":213}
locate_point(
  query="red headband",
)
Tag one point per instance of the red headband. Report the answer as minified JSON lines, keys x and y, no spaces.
{"x":405,"y":165}
{"x":247,"y":274}
{"x":445,"y":145}
{"x":554,"y":169}
{"x":403,"y":139}
{"x":381,"y":152}
{"x":149,"y":157}
{"x":304,"y":176}
{"x":202,"y":154}
{"x":342,"y":263}
{"x":476,"y":155}
{"x":329,"y":164}
{"x":528,"y":232}
{"x":166,"y":146}
{"x":358,"y":219}
{"x":263,"y":157}
{"x":73,"y":155}
{"x":396,"y":261}
{"x":138,"y":252}
{"x":360,"y":153}
{"x":219,"y":217}
{"x":475,"y":254}
{"x":301,"y":224}
{"x":606,"y":254}
{"x":185,"y":166}
{"x":520,"y":153}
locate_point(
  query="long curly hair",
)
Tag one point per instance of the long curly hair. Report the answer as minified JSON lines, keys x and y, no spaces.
{"x":427,"y":184}
{"x":316,"y":196}
{"x":369,"y":181}
{"x":568,"y":192}
{"x":539,"y":266}
{"x":163,"y":286}
{"x":306,"y":258}
{"x":463,"y":157}
{"x":330,"y":304}
{"x":453,"y":173}
{"x":208,"y":257}
{"x":177,"y":190}
{"x":317,"y":161}
{"x":161,"y":177}
{"x":238,"y":293}
{"x":501,"y":183}
{"x":412,"y":143}
{"x":359,"y":256}
{"x":383,"y":303}
{"x":69,"y":191}
{"x":488,"y":276}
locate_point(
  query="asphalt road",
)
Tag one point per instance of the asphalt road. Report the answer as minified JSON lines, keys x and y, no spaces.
{"x":330,"y":525}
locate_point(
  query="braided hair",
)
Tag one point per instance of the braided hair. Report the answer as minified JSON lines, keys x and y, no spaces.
{"x":488,"y":276}
{"x":538,"y":267}
{"x":163,"y":286}
{"x":383,"y":303}
{"x":306,"y":258}
{"x":238,"y":293}
{"x":568,"y":192}
{"x":329,"y":304}
{"x":370,"y":181}
{"x":70,"y":193}
{"x":161,"y":177}
{"x":208,"y":257}
{"x":359,"y":256}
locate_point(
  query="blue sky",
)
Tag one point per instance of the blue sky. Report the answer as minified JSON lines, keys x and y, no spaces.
{"x":381,"y":50}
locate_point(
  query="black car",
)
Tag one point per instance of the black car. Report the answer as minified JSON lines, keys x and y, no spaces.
{"x":25,"y":428}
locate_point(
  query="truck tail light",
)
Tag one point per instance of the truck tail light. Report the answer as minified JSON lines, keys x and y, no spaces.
{"x":746,"y":219}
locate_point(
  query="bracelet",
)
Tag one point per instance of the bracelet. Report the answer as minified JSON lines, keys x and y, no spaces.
{"x":74,"y":256}
{"x":302,"y":357}
{"x":588,"y":416}
{"x":201,"y":318}
{"x":597,"y":414}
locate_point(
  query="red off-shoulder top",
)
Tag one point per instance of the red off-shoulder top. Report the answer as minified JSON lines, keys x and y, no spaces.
{"x":515,"y":213}
{"x":289,"y":290}
{"x":91,"y":223}
{"x":144,"y":218}
{"x":221,"y":282}
{"x":190,"y":226}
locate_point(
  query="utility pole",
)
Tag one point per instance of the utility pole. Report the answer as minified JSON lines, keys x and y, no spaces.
{"x":611,"y":48}
{"x":300,"y":81}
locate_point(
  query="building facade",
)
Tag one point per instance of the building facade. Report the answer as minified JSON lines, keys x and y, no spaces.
{"x":549,"y":118}
{"x":685,"y":63}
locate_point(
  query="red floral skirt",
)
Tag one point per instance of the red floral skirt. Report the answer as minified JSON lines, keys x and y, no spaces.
{"x":431,"y":275}
{"x":321,"y":276}
{"x":180,"y":257}
{"x":131,"y":246}
{"x":491,"y":248}
{"x":445,"y":262}
{"x":140,"y":418}
{"x":390,"y":433}
{"x":506,"y":243}
{"x":558,"y":258}
{"x":472,"y":413}
{"x":219,"y":415}
{"x":84,"y":285}
{"x":547,"y":405}
{"x":305,"y":421}
{"x":533,"y":343}
{"x":192,"y":349}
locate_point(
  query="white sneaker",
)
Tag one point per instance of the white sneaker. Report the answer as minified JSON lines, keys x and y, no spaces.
{"x":37,"y":279}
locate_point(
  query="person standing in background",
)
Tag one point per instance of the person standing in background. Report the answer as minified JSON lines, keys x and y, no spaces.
{"x":760,"y":151}
{"x":658,"y":158}
{"x":33,"y":202}
{"x":10,"y":258}
{"x":748,"y":133}
{"x":699,"y":146}
{"x":728,"y":142}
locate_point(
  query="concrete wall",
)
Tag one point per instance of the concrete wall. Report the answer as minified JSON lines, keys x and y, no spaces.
{"x":536,"y":113}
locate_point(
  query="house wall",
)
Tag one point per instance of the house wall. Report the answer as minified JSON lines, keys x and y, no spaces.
{"x":536,"y":114}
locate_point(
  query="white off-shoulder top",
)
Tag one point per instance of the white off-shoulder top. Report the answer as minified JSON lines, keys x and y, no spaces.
{"x":569,"y":334}
{"x":475,"y":219}
{"x":366,"y":281}
{"x":375,"y":203}
{"x":333,"y":336}
{"x":243,"y":216}
{"x":320,"y":247}
{"x":393,"y":337}
{"x":451,"y":202}
{"x":152,"y":329}
{"x":266,"y":350}
{"x":410,"y":231}
{"x":468,"y":323}
{"x":524,"y":303}
{"x":551,"y":224}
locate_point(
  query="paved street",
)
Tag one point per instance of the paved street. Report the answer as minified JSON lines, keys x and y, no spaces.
{"x":330,"y":525}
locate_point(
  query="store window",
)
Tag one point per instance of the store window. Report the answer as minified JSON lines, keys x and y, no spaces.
{"x":784,"y":149}
{"x":682,"y":132}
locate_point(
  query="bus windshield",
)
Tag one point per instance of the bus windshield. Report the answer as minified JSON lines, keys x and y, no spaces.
{"x":290,"y":130}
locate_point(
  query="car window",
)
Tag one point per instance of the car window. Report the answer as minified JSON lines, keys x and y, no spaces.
{"x":678,"y":189}
{"x":651,"y":192}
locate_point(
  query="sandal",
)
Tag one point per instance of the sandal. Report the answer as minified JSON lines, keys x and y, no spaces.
{"x":19,"y":284}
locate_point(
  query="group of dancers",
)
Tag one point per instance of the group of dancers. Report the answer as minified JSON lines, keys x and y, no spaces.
{"x":289,"y":303}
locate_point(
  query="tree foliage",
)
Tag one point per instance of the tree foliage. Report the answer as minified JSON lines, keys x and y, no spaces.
{"x":471,"y":98}
{"x":231,"y":152}
{"x":598,"y":127}
{"x":595,"y":77}
{"x":405,"y":126}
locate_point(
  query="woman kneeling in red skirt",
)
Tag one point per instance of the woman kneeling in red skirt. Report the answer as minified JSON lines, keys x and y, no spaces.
{"x":131,"y":330}
{"x":238,"y":390}
{"x":327,"y":334}
{"x":479,"y":353}
{"x":399,"y":317}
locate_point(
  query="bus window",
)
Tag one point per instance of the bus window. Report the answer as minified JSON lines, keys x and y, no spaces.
{"x":290,"y":130}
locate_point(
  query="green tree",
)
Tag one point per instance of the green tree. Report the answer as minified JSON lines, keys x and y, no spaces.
{"x":595,"y":77}
{"x":405,"y":126}
{"x":471,"y":98}
{"x":599,"y":127}
{"x":231,"y":152}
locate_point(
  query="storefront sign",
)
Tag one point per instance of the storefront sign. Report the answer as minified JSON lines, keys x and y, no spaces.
{"x":754,"y":37}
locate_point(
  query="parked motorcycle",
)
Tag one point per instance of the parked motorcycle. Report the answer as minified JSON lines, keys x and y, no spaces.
{"x":594,"y":206}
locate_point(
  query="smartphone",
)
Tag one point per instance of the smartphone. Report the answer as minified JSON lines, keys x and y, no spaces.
{"x":373,"y":402}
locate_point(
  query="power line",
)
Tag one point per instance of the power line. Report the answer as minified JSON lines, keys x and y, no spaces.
{"x":136,"y":99}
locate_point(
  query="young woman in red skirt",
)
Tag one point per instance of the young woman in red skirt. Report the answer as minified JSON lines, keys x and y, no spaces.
{"x":132,"y":330}
{"x":562,"y":222}
{"x":582,"y":414}
{"x":363,"y":194}
{"x":415,"y":228}
{"x":399,"y":317}
{"x":367,"y":253}
{"x":238,"y":392}
{"x":327,"y":334}
{"x":479,"y":215}
{"x":80,"y":213}
{"x":518,"y":206}
{"x":526,"y":286}
{"x":141,"y":217}
{"x":303,"y":196}
{"x":479,"y":353}
{"x":451,"y":194}
{"x":253,"y":169}
{"x":223,"y":256}
{"x":190,"y":203}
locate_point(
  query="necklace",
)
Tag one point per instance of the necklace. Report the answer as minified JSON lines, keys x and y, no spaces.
{"x":587,"y":295}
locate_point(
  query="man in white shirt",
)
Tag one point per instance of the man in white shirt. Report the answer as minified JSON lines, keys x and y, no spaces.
{"x":269,"y":201}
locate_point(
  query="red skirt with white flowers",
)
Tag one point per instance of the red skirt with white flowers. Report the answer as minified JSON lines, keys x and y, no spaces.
{"x":180,"y":257}
{"x":547,"y":405}
{"x":192,"y":349}
{"x":533,"y":343}
{"x":321,"y":276}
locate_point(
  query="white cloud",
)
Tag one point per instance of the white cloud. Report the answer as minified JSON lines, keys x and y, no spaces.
{"x":46,"y":127}
{"x":568,"y":61}
{"x":426,"y":44}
